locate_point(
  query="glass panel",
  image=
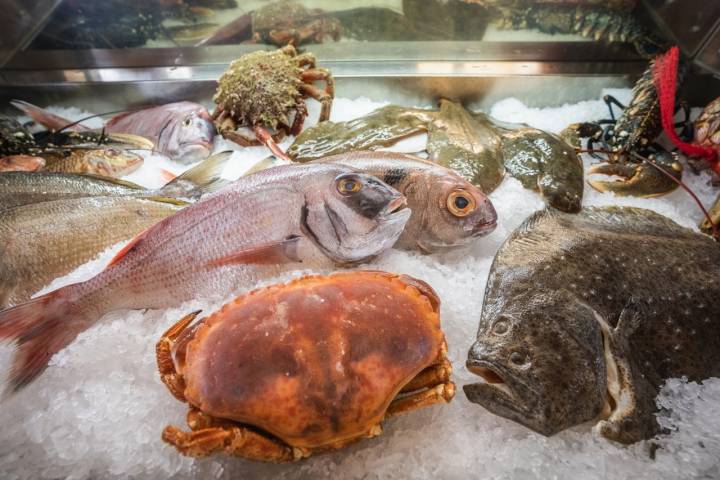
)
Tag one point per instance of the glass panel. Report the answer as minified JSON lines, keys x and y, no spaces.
{"x":112,"y":24}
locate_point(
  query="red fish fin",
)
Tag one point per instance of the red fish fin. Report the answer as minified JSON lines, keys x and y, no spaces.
{"x":45,"y":118}
{"x":127,"y":248}
{"x":167,"y":175}
{"x":41,"y":327}
{"x":282,"y":251}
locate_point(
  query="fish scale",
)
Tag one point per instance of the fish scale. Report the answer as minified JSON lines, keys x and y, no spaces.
{"x":281,"y":216}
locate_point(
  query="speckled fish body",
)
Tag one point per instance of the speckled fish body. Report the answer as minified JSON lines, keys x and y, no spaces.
{"x":456,"y":140}
{"x":21,"y":163}
{"x":109,"y":162}
{"x":47,"y":240}
{"x":585,"y":316}
{"x":436,"y":223}
{"x":280,"y":218}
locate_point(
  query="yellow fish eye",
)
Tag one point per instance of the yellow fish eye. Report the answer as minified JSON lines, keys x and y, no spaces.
{"x":460,"y":203}
{"x":346,"y":186}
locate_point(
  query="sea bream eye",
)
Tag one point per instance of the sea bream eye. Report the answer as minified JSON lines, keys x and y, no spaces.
{"x":460,"y":203}
{"x":347,"y":186}
{"x":187,"y":122}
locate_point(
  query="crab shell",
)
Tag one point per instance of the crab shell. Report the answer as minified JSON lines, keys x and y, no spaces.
{"x":317,"y":363}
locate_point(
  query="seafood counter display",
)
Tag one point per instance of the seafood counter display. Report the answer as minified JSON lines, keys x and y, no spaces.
{"x":298,"y":301}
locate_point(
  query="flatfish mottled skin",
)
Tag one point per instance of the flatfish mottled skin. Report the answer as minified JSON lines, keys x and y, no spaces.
{"x":585,"y":316}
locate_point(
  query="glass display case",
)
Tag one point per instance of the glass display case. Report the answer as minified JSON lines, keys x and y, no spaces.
{"x":559,"y":100}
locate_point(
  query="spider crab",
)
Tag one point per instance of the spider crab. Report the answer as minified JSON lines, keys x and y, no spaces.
{"x":291,"y":370}
{"x":266,"y":92}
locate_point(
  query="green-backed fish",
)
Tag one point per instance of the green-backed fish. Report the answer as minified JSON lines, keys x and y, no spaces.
{"x":382,"y":127}
{"x":46,"y":240}
{"x":473,"y":149}
{"x":586,"y":316}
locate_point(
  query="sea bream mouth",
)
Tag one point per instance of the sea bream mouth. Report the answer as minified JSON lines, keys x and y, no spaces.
{"x":399,"y":205}
{"x":482,"y":229}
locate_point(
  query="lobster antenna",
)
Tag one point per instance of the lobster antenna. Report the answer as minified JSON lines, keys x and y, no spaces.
{"x":715,"y":233}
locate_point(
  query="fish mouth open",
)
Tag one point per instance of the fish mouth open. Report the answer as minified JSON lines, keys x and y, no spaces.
{"x":491,"y":378}
{"x":395,"y":207}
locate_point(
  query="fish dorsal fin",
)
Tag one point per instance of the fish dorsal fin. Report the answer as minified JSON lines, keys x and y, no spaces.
{"x":45,"y":118}
{"x":206,"y":177}
{"x":116,"y":118}
{"x":116,"y":181}
{"x":282,"y":251}
{"x":629,"y":220}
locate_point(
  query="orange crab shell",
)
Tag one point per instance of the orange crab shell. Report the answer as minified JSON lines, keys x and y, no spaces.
{"x":315,"y":362}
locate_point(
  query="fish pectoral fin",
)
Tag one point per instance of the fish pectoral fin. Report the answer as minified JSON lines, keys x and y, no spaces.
{"x":132,"y":244}
{"x":282,"y":251}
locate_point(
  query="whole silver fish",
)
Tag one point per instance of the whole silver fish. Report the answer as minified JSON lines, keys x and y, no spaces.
{"x":447,"y":210}
{"x":182,"y":131}
{"x":586,"y":315}
{"x":315,"y":214}
{"x":22,"y":188}
{"x":47,"y":240}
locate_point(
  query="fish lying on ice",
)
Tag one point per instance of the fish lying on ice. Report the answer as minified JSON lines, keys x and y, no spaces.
{"x":22,"y":188}
{"x":585,"y":316}
{"x":471,"y":148}
{"x":316,"y":214}
{"x":182,"y":131}
{"x":108,"y":162}
{"x":447,"y":210}
{"x":21,"y":163}
{"x":46,"y":240}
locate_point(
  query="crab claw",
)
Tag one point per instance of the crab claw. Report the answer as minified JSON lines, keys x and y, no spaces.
{"x":639,"y":180}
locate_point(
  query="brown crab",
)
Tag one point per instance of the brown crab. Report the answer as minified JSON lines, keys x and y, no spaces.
{"x":291,"y":370}
{"x":291,"y":23}
{"x":266,"y":91}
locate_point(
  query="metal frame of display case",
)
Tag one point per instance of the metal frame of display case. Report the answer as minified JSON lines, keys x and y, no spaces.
{"x":478,"y":72}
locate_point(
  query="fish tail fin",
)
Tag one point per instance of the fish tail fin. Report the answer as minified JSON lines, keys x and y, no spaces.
{"x":40,"y":327}
{"x":206,"y":177}
{"x":43,"y":117}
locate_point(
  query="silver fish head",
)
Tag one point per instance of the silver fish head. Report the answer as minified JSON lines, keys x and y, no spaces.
{"x":541,"y":358}
{"x":192,"y":135}
{"x":454,"y":212}
{"x":355,"y":216}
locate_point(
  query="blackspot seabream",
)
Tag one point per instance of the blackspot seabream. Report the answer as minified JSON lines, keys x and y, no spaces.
{"x":447,"y":210}
{"x":586,"y":315}
{"x":258,"y":225}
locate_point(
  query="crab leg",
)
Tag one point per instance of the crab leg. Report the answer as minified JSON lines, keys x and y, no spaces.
{"x":432,"y":375}
{"x":234,"y":440}
{"x":264,"y":136}
{"x":321,"y":96}
{"x":163,"y":354}
{"x":317,"y":74}
{"x":442,"y":393}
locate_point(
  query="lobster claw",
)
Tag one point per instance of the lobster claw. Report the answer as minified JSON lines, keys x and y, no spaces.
{"x":639,"y":179}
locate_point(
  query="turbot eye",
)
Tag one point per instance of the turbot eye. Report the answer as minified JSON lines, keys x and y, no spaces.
{"x":187,"y":122}
{"x":346,"y":186}
{"x":460,"y":203}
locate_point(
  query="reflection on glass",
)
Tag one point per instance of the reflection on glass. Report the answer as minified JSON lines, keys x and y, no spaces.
{"x":80,"y":24}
